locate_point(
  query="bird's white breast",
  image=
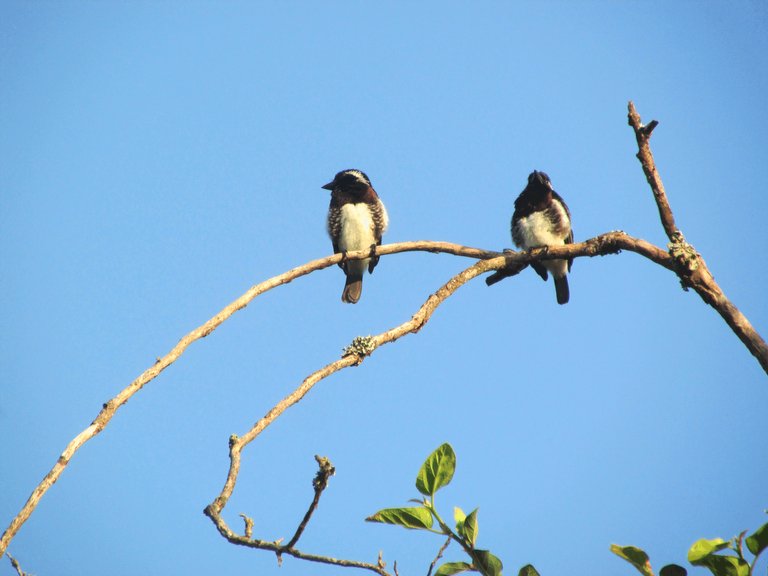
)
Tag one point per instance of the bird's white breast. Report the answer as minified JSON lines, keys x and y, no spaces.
{"x":538,"y":231}
{"x":357,"y":232}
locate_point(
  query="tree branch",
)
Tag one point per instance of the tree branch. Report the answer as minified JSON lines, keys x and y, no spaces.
{"x":610,"y":243}
{"x":15,"y":564}
{"x":236,"y":445}
{"x":439,"y":555}
{"x":688,"y":264}
{"x":274,"y":547}
{"x":593,"y":247}
{"x":110,"y":408}
{"x":413,"y":325}
{"x":643,"y":135}
{"x":319,"y":483}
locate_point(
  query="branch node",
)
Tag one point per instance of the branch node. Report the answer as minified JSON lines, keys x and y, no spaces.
{"x":381,"y":562}
{"x":684,"y":257}
{"x":511,"y":269}
{"x":327,"y":469}
{"x":248,"y":526}
{"x":606,"y":244}
{"x":361,"y":346}
{"x":15,"y":564}
{"x":646,"y":129}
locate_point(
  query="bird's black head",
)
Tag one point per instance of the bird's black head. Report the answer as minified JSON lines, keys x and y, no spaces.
{"x":537,"y":179}
{"x":353,"y":181}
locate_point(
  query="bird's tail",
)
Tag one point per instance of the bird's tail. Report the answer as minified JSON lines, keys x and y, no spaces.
{"x":561,"y":287}
{"x":353,"y":288}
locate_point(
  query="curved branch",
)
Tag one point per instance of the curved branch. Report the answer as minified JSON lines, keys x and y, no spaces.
{"x":413,"y":325}
{"x":589,"y":248}
{"x":110,"y":408}
{"x":609,"y":243}
{"x":236,"y":445}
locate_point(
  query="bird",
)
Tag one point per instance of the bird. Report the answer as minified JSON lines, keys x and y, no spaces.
{"x":357,"y":219}
{"x":541,"y":218}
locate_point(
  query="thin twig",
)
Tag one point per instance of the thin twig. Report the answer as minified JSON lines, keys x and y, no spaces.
{"x":439,"y":555}
{"x":320,"y":482}
{"x":275,"y":547}
{"x":15,"y":564}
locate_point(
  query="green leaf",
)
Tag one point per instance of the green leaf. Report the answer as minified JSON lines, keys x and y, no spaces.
{"x":528,"y":570}
{"x":703,"y":548}
{"x":452,"y":568}
{"x":724,"y":565}
{"x":411,"y":518}
{"x":634,"y":556}
{"x":759,"y":540}
{"x":437,"y":470}
{"x":673,"y":570}
{"x":471,"y":528}
{"x":459,"y":516}
{"x":487,"y":563}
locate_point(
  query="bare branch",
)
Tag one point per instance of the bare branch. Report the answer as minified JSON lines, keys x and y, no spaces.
{"x":439,"y":555}
{"x":109,"y":409}
{"x":605,"y":244}
{"x":248,"y":525}
{"x":415,"y":324}
{"x":236,"y":445}
{"x":320,"y":482}
{"x":275,"y":547}
{"x":643,"y":135}
{"x":610,"y":243}
{"x":688,"y":264}
{"x":15,"y":564}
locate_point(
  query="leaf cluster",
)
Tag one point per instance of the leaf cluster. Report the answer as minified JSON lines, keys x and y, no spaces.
{"x":436,"y":472}
{"x":704,"y":553}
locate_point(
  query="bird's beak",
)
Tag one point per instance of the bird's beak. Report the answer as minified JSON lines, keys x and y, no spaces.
{"x":329,"y":186}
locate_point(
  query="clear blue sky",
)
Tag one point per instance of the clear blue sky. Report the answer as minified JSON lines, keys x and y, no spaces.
{"x":159,"y":159}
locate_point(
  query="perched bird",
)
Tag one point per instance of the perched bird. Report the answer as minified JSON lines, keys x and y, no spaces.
{"x":541,"y":218}
{"x":356,"y":220}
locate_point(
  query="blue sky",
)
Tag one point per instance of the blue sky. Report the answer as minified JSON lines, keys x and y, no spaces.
{"x":159,"y":159}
